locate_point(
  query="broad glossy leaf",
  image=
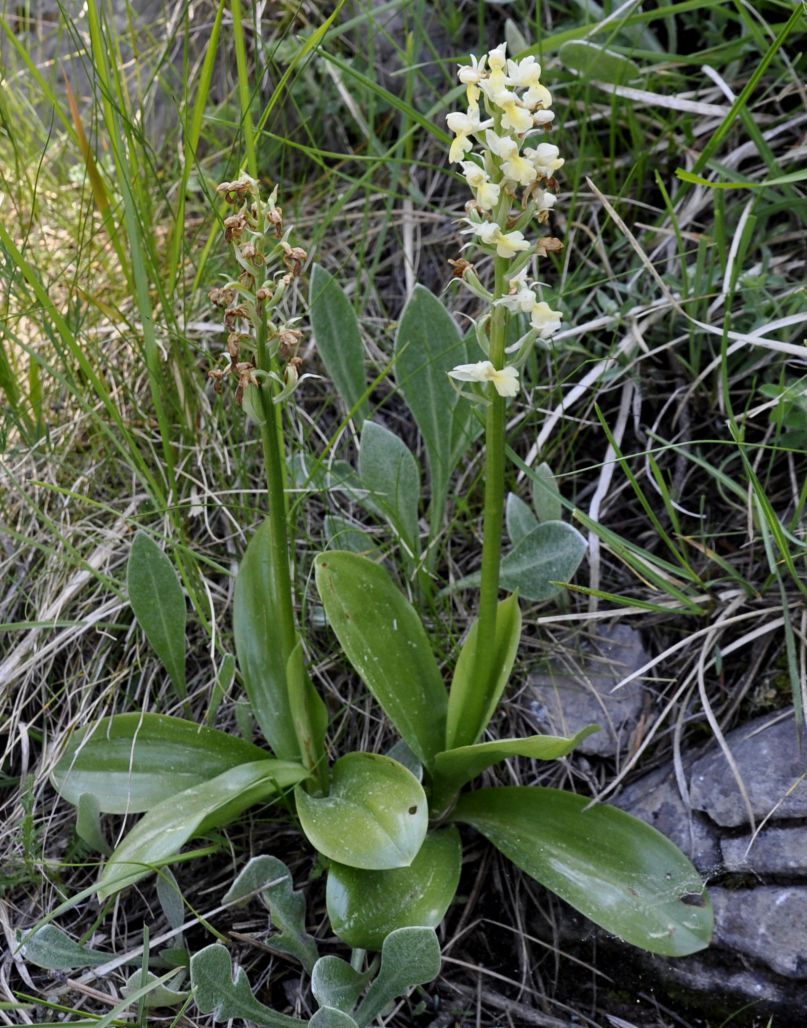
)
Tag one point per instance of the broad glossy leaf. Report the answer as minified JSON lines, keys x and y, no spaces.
{"x":53,"y":949}
{"x":374,"y":817}
{"x":165,"y":829}
{"x":336,"y":984}
{"x":409,"y":957}
{"x":258,"y":647}
{"x":227,"y":995}
{"x":618,"y":871}
{"x":593,"y":61}
{"x":159,"y":605}
{"x":545,"y":494}
{"x":336,"y":331}
{"x":365,"y":906}
{"x":551,"y":553}
{"x":272,"y":879}
{"x":428,"y":345}
{"x":131,"y":762}
{"x":519,"y":518}
{"x":389,"y":473}
{"x":454,"y":768}
{"x":383,"y":638}
{"x":469,"y":708}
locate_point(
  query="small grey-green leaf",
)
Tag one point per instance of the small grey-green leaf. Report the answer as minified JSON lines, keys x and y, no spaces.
{"x":520,"y":519}
{"x":224,"y":995}
{"x":341,"y":534}
{"x":336,"y":984}
{"x":545,"y":494}
{"x":170,"y":897}
{"x":551,"y":553}
{"x":53,"y":949}
{"x":272,"y":879}
{"x":162,"y":993}
{"x":159,"y":605}
{"x":336,"y":331}
{"x":88,"y":823}
{"x":428,"y":345}
{"x":389,"y":473}
{"x":409,"y":957}
{"x":330,"y":1017}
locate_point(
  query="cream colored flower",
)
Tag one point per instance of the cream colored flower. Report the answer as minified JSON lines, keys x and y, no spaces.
{"x":485,"y":191}
{"x":523,"y":74}
{"x":545,"y":159}
{"x":505,"y":381}
{"x":507,"y":244}
{"x":545,"y":320}
{"x":464,"y":125}
{"x":516,"y":118}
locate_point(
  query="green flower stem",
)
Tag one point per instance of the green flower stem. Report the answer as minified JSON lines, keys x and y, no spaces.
{"x":274,"y":461}
{"x":484,"y":668}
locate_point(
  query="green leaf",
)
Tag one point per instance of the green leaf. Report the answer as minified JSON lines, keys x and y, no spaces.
{"x":159,"y":605}
{"x":216,"y":991}
{"x":454,"y":768}
{"x":256,"y":620}
{"x":329,"y":1017}
{"x":409,"y":957}
{"x":272,"y":879}
{"x":469,"y":713}
{"x":383,"y":638}
{"x":592,"y":61}
{"x":53,"y":949}
{"x":546,"y":499}
{"x":519,"y":518}
{"x":132,"y":762}
{"x":375,"y":816}
{"x":365,"y":906}
{"x":168,"y":826}
{"x":161,"y":993}
{"x":389,"y":472}
{"x":551,"y":553}
{"x":428,"y":345}
{"x":308,"y":712}
{"x":336,"y":984}
{"x":336,"y":331}
{"x":341,"y":534}
{"x":618,"y":871}
{"x":88,"y":823}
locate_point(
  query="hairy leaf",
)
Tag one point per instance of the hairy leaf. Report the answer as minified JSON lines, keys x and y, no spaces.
{"x":336,"y":331}
{"x":159,"y":605}
{"x":217,"y":991}
{"x":409,"y":957}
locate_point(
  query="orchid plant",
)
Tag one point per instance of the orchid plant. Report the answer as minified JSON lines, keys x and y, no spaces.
{"x":387,"y":826}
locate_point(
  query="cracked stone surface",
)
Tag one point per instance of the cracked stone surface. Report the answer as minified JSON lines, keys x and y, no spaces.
{"x":760,"y":948}
{"x":771,"y":765}
{"x":577,"y":690}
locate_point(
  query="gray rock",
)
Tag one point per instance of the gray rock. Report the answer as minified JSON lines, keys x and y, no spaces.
{"x":657,"y":800}
{"x":772,"y":767}
{"x":767,"y":923}
{"x":776,"y":850}
{"x":578,"y":690}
